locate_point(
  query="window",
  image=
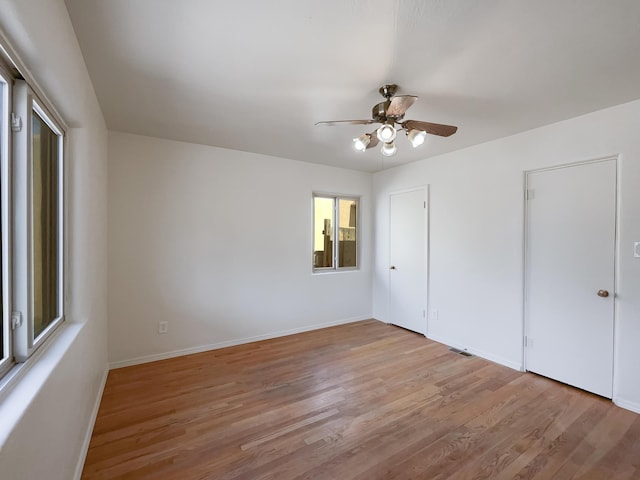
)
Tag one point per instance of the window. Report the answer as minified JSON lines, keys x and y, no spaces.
{"x":335,"y":217}
{"x":32,"y":226}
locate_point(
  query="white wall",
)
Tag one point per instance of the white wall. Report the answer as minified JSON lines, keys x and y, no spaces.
{"x":218,"y":243}
{"x":45,"y":420}
{"x":476,"y":235}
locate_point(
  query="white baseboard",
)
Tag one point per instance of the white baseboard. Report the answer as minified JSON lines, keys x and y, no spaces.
{"x":229,"y":343}
{"x":487,"y":356}
{"x":627,"y":405}
{"x":89,"y":431}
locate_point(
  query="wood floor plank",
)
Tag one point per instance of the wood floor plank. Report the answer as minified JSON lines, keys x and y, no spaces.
{"x":359,"y":401}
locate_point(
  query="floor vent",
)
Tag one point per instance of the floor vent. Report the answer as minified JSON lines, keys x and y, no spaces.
{"x":460,"y":352}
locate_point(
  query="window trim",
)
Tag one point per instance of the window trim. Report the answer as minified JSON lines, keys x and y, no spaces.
{"x":336,"y":197}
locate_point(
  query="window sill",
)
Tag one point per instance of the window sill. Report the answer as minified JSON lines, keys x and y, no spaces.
{"x":333,"y":271}
{"x":20,"y":386}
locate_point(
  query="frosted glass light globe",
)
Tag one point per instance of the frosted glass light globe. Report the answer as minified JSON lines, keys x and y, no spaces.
{"x":416,"y":137}
{"x":389,"y":149}
{"x":360,"y":143}
{"x":386,"y":133}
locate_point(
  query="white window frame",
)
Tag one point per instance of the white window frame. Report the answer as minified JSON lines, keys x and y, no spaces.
{"x":6,"y":79}
{"x":25,"y":103}
{"x":336,"y":232}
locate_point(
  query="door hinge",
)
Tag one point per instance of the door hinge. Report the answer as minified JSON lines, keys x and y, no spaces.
{"x":526,"y":341}
{"x":531,"y":194}
{"x":425,"y":204}
{"x":16,"y":320}
{"x":16,"y":123}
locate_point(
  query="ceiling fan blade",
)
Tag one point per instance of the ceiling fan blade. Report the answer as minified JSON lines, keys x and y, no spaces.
{"x":400,"y":104}
{"x":373,"y":139}
{"x":432,"y":128}
{"x":347,"y":122}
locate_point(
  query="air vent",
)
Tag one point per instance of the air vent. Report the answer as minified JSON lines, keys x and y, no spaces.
{"x":460,"y":352}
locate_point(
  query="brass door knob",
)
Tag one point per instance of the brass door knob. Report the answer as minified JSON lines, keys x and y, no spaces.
{"x":603,"y":293}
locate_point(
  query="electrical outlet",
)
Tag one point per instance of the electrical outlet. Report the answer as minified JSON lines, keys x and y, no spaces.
{"x":163,"y":327}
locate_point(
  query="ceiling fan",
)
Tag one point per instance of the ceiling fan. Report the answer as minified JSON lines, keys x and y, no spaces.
{"x":391,"y":114}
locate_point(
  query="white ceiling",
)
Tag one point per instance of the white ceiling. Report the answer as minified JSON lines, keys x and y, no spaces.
{"x":257,"y":75}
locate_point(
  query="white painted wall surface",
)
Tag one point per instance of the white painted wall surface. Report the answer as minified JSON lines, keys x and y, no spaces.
{"x":44,"y":422}
{"x":476,"y":235}
{"x":218,"y":243}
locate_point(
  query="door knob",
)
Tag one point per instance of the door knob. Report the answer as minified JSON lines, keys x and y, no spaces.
{"x":603,"y":293}
{"x":392,"y":267}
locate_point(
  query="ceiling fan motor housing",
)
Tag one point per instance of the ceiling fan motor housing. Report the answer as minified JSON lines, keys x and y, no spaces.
{"x":379,"y":111}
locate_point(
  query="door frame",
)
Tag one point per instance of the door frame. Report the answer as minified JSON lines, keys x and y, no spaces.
{"x":616,"y":253}
{"x":426,"y":223}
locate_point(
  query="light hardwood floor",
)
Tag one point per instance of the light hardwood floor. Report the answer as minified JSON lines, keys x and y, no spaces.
{"x":359,"y":401}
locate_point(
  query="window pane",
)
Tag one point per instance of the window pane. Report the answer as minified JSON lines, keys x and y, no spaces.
{"x":323,"y":209}
{"x":45,"y":225}
{"x":347,"y":251}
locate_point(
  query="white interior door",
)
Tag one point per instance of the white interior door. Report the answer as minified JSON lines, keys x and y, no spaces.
{"x":408,"y":265}
{"x":570,"y":274}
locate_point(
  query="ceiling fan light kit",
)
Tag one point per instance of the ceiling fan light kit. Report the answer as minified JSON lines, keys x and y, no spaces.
{"x":390,"y":113}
